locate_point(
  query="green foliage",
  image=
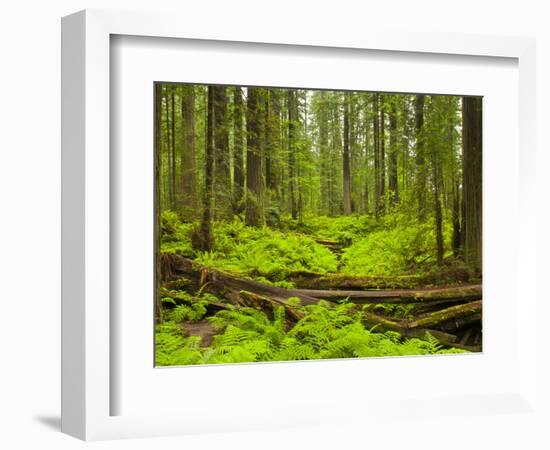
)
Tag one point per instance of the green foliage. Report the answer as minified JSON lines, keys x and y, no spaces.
{"x":398,"y":311}
{"x":173,"y":349}
{"x":325,"y":332}
{"x":186,"y":306}
{"x":175,"y":236}
{"x":400,"y":246}
{"x":396,"y":244}
{"x":344,"y":229}
{"x":263,"y":252}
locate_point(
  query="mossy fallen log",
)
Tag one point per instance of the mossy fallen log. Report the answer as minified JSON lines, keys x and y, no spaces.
{"x":222,"y":283}
{"x":453,"y":313}
{"x":447,"y":294}
{"x":383,"y":324}
{"x":306,"y":280}
{"x":439,"y":323}
{"x":460,"y":322}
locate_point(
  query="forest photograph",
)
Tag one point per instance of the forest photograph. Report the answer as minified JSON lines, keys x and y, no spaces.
{"x":302,"y":224}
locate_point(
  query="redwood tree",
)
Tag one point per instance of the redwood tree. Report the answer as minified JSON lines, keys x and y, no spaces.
{"x":472,"y":190}
{"x":254,"y":183}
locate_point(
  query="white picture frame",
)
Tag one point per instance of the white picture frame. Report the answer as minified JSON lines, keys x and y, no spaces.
{"x":87,"y":385}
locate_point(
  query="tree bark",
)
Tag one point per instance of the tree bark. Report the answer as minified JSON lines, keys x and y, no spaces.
{"x":254,"y":184}
{"x":376,"y":141}
{"x":238,"y":160}
{"x":346,"y":159}
{"x":222,"y":200}
{"x":291,"y":99}
{"x":383,"y":153}
{"x":158,"y":159}
{"x":456,"y":220}
{"x":393,"y":183}
{"x":428,"y":295}
{"x":268,"y":140}
{"x":472,"y":190}
{"x":323,"y":154}
{"x":420,"y":157}
{"x":169,"y":138}
{"x":188,"y":165}
{"x":205,"y":240}
{"x":173,"y":189}
{"x":447,"y":314}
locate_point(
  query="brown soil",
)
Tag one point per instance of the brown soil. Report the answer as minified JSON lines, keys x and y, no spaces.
{"x":202,"y":328}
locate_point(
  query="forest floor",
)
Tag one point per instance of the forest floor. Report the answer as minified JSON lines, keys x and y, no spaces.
{"x":322,"y":288}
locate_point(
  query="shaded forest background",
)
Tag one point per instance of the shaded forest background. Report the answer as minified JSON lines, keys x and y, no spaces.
{"x":263,"y":153}
{"x":276,"y":199}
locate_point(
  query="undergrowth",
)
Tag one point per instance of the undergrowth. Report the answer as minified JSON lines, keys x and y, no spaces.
{"x":256,"y":252}
{"x":249,"y":335}
{"x":394,"y":250}
{"x":392,"y":245}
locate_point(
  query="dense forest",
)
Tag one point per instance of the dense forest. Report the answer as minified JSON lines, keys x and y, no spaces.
{"x":299,"y":224}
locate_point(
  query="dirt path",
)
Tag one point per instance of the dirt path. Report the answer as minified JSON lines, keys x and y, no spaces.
{"x":202,"y":328}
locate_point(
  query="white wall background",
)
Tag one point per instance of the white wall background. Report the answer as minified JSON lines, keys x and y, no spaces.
{"x":30,"y":198}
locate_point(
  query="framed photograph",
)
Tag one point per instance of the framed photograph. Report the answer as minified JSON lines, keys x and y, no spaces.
{"x":259,"y":227}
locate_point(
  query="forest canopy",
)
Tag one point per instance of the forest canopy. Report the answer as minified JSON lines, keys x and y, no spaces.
{"x":306,"y":224}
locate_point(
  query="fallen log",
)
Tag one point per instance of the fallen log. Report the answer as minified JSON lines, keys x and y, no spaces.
{"x":447,"y":294}
{"x":383,"y":324}
{"x":446,"y":315}
{"x":218,"y":282}
{"x":460,"y":322}
{"x":436,"y":323}
{"x":202,"y":275}
{"x":307,"y":280}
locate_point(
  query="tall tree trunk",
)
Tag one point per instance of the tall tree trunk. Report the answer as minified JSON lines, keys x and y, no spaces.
{"x":268,"y":140}
{"x":367,"y":156}
{"x":376,"y":141}
{"x":158,"y":159}
{"x":436,"y":169}
{"x":323,"y":154}
{"x":406,"y":139}
{"x":275,"y":140}
{"x":222,"y":178}
{"x":173,"y":156}
{"x":238,"y":160}
{"x":291,"y":99}
{"x":205,"y":240}
{"x":254,"y":183}
{"x":169,"y":167}
{"x":456,"y":218}
{"x":355,"y":155}
{"x":346,"y":159}
{"x":472,"y":190}
{"x":393,"y":181}
{"x":382,"y":154}
{"x":188,"y":164}
{"x":420,"y":157}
